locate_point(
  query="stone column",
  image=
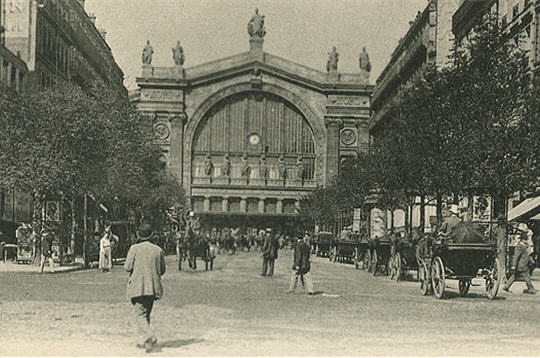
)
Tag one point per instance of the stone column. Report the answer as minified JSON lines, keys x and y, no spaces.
{"x":243,"y":204}
{"x":362,"y":135}
{"x":332,"y":147}
{"x":279,"y":206}
{"x":206,"y":203}
{"x":176,"y":154}
{"x":225,"y":204}
{"x":261,"y":206}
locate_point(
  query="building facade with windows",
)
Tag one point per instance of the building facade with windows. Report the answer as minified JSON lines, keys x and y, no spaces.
{"x":58,"y":39}
{"x":249,"y":135}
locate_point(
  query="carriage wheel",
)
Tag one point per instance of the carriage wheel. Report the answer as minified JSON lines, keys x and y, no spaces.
{"x":397,"y":266}
{"x":438,"y":277}
{"x":464,"y":287}
{"x":493,"y":280}
{"x":374,"y":260}
{"x":423,"y":277}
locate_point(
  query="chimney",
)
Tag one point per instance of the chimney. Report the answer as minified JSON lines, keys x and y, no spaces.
{"x":103,"y":33}
{"x":92,"y":18}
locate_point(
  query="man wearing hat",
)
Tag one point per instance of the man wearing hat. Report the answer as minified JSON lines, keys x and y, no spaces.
{"x":270,"y":253}
{"x":520,"y":265}
{"x":145,"y":263}
{"x":301,"y":266}
{"x":450,"y":222}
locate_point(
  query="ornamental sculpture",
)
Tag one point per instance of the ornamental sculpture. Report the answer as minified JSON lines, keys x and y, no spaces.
{"x":363,"y":61}
{"x":256,"y":25}
{"x":263,"y":170}
{"x":246,"y":168}
{"x":282,"y":168}
{"x":226,"y":165}
{"x":147,"y":54}
{"x":208,"y":165}
{"x":178,"y":54}
{"x":299,"y":168}
{"x":333,"y":58}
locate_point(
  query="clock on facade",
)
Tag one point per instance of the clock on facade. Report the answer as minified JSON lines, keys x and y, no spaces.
{"x":254,"y":139}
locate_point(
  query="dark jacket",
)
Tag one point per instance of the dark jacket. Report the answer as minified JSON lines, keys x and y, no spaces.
{"x":520,"y":260}
{"x":146,"y":264}
{"x":270,"y":247}
{"x":301,"y":257}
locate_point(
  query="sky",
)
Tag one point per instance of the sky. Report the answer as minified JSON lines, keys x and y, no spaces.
{"x":302,"y":31}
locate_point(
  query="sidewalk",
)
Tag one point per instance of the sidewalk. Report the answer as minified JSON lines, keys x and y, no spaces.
{"x":14,"y":267}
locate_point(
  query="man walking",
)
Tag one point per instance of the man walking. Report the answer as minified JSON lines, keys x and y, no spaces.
{"x":145,"y":263}
{"x":46,"y":249}
{"x":105,"y":251}
{"x":301,"y":266}
{"x":270,"y":253}
{"x":520,"y":265}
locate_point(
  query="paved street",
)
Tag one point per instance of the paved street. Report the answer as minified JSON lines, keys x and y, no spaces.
{"x":233,"y":311}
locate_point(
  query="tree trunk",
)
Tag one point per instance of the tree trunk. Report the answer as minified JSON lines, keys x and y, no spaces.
{"x":73,"y":223}
{"x":85,"y":231}
{"x":422,"y":212}
{"x":407,"y":222}
{"x":439,"y":207}
{"x":470,"y":206}
{"x":37,"y":224}
{"x":502,"y":243}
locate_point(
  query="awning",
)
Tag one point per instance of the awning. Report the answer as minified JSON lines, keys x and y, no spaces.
{"x":527,"y":209}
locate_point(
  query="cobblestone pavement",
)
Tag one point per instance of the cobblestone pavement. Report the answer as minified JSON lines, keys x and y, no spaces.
{"x":234,"y":311}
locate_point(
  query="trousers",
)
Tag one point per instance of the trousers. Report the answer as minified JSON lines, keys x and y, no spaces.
{"x":268,"y":266}
{"x":143,"y":308}
{"x":305,"y":279}
{"x":526,"y":277}
{"x":105,"y":258}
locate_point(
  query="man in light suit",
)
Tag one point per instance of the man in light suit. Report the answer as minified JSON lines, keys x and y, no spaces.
{"x":145,"y":263}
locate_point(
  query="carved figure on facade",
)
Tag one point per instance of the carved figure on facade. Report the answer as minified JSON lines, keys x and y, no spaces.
{"x":246,"y":168}
{"x":208,"y":165}
{"x":333,"y":58}
{"x":524,"y":42}
{"x":226,"y":170}
{"x":147,"y":54}
{"x":363,"y":61}
{"x":282,"y":168}
{"x":263,"y":169}
{"x":178,"y":54}
{"x":300,"y":168}
{"x":256,"y":25}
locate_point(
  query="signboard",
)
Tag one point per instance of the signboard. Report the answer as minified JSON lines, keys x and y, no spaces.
{"x":378,"y":223}
{"x":16,"y":18}
{"x":357,"y":216}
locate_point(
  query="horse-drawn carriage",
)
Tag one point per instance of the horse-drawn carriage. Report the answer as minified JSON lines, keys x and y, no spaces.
{"x":403,"y":256}
{"x":192,"y":244}
{"x":323,"y":242}
{"x":461,"y":257}
{"x":378,"y":255}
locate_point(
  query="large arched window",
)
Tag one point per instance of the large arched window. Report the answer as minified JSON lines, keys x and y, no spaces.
{"x":255,"y":123}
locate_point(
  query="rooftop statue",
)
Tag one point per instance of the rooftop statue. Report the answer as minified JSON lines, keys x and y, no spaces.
{"x":178,"y":54}
{"x":256,"y":25}
{"x":147,"y":54}
{"x":363,"y":61}
{"x":333,"y":58}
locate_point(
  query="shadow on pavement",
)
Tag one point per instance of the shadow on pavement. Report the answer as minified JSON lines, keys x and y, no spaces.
{"x":176,"y":343}
{"x":452,"y":295}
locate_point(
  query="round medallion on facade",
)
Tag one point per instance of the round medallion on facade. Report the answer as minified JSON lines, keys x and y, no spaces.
{"x":161,"y":131}
{"x":254,"y":139}
{"x":348,"y":137}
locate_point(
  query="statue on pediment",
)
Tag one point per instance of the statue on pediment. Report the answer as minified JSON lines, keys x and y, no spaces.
{"x":256,"y":25}
{"x":333,"y":58}
{"x":363,"y":61}
{"x":178,"y":54}
{"x":246,"y":168}
{"x":147,"y":54}
{"x":300,"y":168}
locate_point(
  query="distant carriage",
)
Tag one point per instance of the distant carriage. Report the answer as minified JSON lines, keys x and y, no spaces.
{"x":403,"y":256}
{"x":378,"y":255}
{"x":194,"y":246}
{"x":323,"y":243}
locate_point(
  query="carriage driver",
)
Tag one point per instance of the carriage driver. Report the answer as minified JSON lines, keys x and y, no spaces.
{"x":451,"y":221}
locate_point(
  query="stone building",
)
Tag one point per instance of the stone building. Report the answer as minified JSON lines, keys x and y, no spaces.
{"x":249,"y":135}
{"x":57,"y":38}
{"x":427,"y":42}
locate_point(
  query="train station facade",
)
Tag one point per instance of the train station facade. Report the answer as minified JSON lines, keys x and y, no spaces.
{"x":249,"y":135}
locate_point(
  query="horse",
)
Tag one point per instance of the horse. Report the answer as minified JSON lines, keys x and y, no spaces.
{"x":198,"y":246}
